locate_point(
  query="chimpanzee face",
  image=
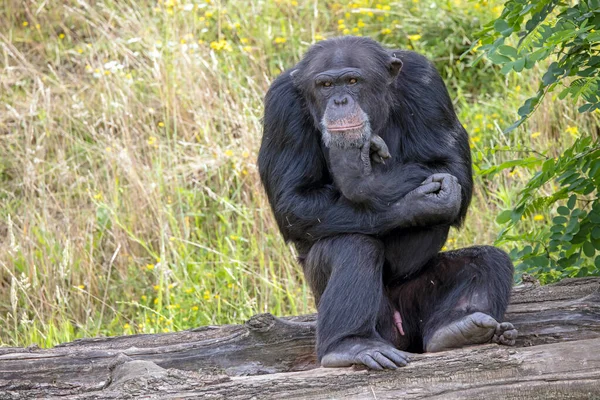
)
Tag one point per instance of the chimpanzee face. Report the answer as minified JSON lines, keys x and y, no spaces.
{"x":344,"y":121}
{"x":347,"y":89}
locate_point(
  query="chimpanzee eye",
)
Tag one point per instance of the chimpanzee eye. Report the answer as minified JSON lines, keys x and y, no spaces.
{"x":327,"y":84}
{"x":352,"y":81}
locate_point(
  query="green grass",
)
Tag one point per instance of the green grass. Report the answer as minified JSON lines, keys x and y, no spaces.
{"x":129,"y":196}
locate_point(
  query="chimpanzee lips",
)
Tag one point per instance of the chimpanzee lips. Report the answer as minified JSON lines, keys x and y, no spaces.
{"x":341,"y":128}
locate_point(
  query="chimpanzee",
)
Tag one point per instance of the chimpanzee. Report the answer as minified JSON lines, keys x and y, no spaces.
{"x":369,"y":234}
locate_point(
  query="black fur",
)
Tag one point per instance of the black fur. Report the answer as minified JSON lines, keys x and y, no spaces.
{"x":362,"y":255}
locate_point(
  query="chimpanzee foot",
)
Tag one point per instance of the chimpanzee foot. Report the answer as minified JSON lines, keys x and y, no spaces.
{"x":476,"y":328}
{"x":372,"y":353}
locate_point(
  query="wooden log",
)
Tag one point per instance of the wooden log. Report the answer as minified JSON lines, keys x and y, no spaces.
{"x":562,"y":321}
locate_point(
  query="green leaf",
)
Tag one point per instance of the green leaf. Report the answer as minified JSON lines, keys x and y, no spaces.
{"x":501,"y":25}
{"x":504,"y":217}
{"x":562,"y":210}
{"x":588,"y":249}
{"x":508,"y":51}
{"x":498,"y":58}
{"x":559,"y":220}
{"x":519,"y":65}
{"x":572,"y":201}
{"x":593,"y":37}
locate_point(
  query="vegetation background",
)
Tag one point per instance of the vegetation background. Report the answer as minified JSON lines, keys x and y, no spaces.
{"x":129,"y":196}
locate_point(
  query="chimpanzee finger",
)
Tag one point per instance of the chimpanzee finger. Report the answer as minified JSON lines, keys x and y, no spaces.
{"x":512,"y":334}
{"x":506,"y":326}
{"x":383,"y":153}
{"x":377,"y":158}
{"x":431,"y":187}
{"x":384,"y":361}
{"x":399,"y":357}
{"x":439,"y":177}
{"x":504,"y":340}
{"x":378,"y":145}
{"x":370,"y":362}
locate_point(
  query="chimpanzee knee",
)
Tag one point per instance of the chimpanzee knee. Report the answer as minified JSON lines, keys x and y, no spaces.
{"x":497,"y":274}
{"x":359,"y":253}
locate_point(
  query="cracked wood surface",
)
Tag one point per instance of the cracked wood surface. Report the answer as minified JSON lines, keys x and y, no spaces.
{"x":561,"y":321}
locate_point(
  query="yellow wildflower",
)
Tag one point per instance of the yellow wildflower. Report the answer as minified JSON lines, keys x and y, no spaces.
{"x":386,"y":31}
{"x":280,"y":40}
{"x":61,"y":36}
{"x":228,"y":153}
{"x":538,"y":217}
{"x":150,"y":267}
{"x":195,"y":308}
{"x":535,"y":134}
{"x":572,"y":130}
{"x":25,"y":23}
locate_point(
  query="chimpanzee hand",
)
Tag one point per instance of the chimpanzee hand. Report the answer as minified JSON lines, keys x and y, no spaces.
{"x":436,"y":201}
{"x":379,"y":150}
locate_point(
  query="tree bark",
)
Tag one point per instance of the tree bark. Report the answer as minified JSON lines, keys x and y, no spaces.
{"x":271,"y":357}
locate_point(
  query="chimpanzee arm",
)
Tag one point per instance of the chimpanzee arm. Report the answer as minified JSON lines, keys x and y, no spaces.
{"x":378,"y":189}
{"x":306,"y":208}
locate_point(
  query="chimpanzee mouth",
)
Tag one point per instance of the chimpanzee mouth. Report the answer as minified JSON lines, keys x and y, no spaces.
{"x":345,"y":128}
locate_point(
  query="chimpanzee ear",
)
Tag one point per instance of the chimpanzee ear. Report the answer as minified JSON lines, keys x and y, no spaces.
{"x":294,"y":76}
{"x":395,"y":66}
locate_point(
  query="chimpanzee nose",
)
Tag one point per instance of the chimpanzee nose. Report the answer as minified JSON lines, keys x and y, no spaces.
{"x":341,"y":101}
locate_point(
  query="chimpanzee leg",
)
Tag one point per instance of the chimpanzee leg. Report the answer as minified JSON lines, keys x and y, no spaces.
{"x":459,"y":299}
{"x":345,"y":274}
